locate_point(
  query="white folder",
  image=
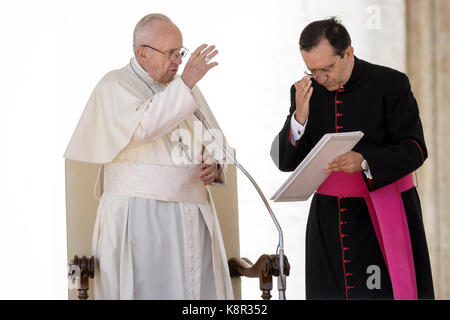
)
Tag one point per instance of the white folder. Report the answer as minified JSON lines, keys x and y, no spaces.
{"x":310,"y":173}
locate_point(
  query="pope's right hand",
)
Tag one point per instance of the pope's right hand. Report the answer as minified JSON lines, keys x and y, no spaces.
{"x":196,"y":66}
{"x":303,"y":92}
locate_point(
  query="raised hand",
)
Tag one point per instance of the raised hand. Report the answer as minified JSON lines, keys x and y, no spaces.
{"x":303,"y":92}
{"x":197,"y":66}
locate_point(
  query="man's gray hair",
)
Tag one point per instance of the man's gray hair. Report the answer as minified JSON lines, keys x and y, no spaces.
{"x":142,"y":29}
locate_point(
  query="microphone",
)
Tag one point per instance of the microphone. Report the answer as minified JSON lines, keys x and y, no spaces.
{"x":280,"y":248}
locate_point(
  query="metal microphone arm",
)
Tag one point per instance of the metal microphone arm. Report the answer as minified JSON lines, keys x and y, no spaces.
{"x":280,"y":249}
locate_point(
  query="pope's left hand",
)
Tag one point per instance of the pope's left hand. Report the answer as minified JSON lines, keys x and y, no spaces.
{"x":349,"y":162}
{"x":208,"y":170}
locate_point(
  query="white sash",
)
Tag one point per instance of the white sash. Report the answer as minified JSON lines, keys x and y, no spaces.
{"x":164,"y":183}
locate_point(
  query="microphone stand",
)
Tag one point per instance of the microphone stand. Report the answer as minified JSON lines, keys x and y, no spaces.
{"x":280,"y":248}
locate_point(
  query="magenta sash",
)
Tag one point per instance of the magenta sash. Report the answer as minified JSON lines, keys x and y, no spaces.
{"x":389,"y":221}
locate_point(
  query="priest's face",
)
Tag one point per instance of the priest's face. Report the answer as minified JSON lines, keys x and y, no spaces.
{"x":165,"y":39}
{"x":328,"y":69}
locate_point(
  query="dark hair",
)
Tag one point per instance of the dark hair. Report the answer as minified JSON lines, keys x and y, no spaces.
{"x":330,"y":29}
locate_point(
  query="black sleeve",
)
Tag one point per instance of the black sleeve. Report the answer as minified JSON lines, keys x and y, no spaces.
{"x":285,"y":155}
{"x":405,"y":150}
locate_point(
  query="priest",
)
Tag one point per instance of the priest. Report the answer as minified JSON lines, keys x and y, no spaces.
{"x":365,"y":237}
{"x":156,"y":234}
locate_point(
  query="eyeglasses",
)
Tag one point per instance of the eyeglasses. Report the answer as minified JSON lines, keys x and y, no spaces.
{"x":314,"y":74}
{"x":173,"y":54}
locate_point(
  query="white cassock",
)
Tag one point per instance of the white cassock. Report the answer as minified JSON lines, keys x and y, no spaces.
{"x":156,"y":234}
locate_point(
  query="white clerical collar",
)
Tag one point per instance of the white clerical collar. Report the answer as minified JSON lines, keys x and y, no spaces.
{"x":154,"y":85}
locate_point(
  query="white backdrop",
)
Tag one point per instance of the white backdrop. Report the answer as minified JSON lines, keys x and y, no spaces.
{"x":54,"y":52}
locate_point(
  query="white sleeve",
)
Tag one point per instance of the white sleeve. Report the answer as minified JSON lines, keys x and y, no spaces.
{"x":165,"y":110}
{"x":297,"y":129}
{"x":368,"y":174}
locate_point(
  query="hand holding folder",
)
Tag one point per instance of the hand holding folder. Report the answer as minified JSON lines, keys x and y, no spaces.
{"x":310,"y":173}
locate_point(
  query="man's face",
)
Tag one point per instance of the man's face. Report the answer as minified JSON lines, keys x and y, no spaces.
{"x":329,"y":70}
{"x":165,"y":37}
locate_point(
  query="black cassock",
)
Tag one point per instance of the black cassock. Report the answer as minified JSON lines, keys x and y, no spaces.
{"x":377,"y":101}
